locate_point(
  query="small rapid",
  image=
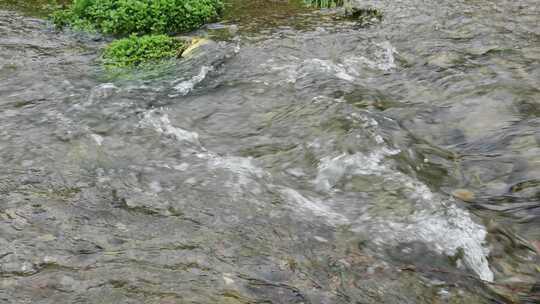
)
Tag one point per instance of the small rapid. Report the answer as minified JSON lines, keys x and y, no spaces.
{"x":293,"y":157}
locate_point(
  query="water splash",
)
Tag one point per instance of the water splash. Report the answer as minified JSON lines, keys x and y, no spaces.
{"x":97,"y":138}
{"x":435,"y":221}
{"x":184,"y":87}
{"x":314,"y":206}
{"x":332,"y":169}
{"x":242,"y":167}
{"x":336,"y":69}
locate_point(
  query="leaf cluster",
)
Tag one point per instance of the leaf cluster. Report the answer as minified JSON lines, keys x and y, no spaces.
{"x":136,"y":50}
{"x":324,"y":3}
{"x":145,"y":23}
{"x":126,"y":17}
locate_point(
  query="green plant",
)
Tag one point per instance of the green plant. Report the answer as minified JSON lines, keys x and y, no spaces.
{"x":324,"y":3}
{"x":364,"y":16}
{"x":125,"y":17}
{"x":137,"y":50}
{"x":367,"y":15}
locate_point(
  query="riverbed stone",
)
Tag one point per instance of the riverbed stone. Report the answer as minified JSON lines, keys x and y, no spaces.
{"x":352,"y":6}
{"x":195,"y":44}
{"x":444,"y":59}
{"x":464,"y":195}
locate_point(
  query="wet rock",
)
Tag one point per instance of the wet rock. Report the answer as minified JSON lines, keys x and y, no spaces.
{"x":16,"y":265}
{"x":195,"y":44}
{"x":464,"y":195}
{"x":536,"y":245}
{"x":363,"y":13}
{"x":228,"y":279}
{"x":46,"y":238}
{"x":482,"y":49}
{"x":222,"y":32}
{"x":444,"y":59}
{"x":531,"y":52}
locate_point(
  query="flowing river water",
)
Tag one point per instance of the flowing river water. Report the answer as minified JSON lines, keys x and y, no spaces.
{"x":297,"y":157}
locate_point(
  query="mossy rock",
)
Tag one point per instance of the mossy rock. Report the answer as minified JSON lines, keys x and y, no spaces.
{"x":138,"y":50}
{"x":125,"y":17}
{"x":366,"y":14}
{"x":363,"y":12}
{"x":195,"y":44}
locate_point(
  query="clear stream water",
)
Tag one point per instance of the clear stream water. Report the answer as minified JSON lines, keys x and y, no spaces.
{"x":297,"y":157}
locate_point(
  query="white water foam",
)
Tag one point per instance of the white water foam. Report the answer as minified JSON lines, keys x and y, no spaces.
{"x":448,"y":230}
{"x":242,"y":167}
{"x":436,"y":221}
{"x":332,"y":169}
{"x":338,"y":70}
{"x":317,"y":207}
{"x":184,"y":87}
{"x":294,"y":72}
{"x":97,"y":138}
{"x":382,"y":59}
{"x":245,"y":173}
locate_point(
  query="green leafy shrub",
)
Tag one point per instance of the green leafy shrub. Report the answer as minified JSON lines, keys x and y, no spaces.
{"x":324,"y":3}
{"x":125,"y":17}
{"x":137,"y":50}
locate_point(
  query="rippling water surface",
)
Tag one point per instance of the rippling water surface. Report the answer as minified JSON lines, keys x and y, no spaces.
{"x":297,"y":157}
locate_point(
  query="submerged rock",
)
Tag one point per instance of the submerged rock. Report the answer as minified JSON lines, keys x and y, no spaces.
{"x":195,"y":44}
{"x":464,"y":195}
{"x":362,"y":7}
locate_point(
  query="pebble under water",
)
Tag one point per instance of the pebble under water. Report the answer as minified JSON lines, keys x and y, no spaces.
{"x":295,"y":157}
